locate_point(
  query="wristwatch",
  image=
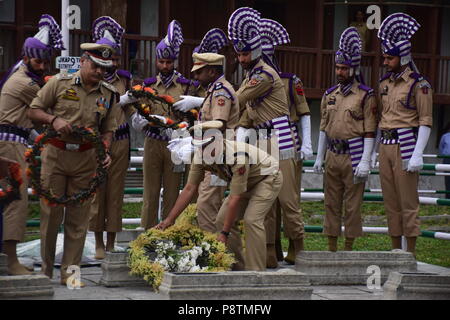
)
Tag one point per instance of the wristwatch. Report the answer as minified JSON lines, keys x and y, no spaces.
{"x":226,"y":234}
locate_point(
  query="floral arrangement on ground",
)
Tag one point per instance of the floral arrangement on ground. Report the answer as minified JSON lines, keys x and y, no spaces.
{"x":183,"y":247}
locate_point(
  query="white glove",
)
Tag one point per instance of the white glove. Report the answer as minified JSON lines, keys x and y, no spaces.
{"x":416,"y":161}
{"x":362,"y":170}
{"x":242,"y":134}
{"x":373,"y":157}
{"x":306,"y":151}
{"x":182,"y":148}
{"x":138,"y":122}
{"x":160,"y":118}
{"x":126,"y":99}
{"x":187,"y":103}
{"x":322,"y":145}
{"x":33,"y":135}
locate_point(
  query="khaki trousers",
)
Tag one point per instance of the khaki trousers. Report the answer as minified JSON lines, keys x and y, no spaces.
{"x":106,"y":208}
{"x":289,"y":202}
{"x":65,"y":172}
{"x":253,"y":209}
{"x":342,"y":195}
{"x":158,"y":170}
{"x":209,"y":200}
{"x":401,"y":199}
{"x":15,"y":214}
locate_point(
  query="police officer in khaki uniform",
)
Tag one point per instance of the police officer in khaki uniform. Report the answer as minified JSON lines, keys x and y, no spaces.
{"x":255,"y":180}
{"x":158,"y":166}
{"x":106,"y":209}
{"x":347,"y":126}
{"x":68,"y":163}
{"x":221,"y":104}
{"x":405,"y":124}
{"x":273,"y":34}
{"x":263,"y":97}
{"x":18,"y":89}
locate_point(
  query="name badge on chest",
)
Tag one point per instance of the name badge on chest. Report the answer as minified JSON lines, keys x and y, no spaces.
{"x":71,"y":94}
{"x":385,"y":91}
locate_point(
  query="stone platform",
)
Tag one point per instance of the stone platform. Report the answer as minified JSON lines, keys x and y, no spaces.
{"x":351,"y":267}
{"x":246,"y":285}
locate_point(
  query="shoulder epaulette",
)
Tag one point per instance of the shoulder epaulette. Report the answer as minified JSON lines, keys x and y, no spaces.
{"x":219,"y":86}
{"x":150,"y":81}
{"x":369,"y":90}
{"x":286,"y":75}
{"x":62,"y":76}
{"x":260,"y":70}
{"x":109,"y":86}
{"x":330,"y":90}
{"x":183,"y":80}
{"x":125,"y":74}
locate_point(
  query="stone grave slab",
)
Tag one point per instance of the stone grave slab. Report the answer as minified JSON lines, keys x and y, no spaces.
{"x":116,"y":273}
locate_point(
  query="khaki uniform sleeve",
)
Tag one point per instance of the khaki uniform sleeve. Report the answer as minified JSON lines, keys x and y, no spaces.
{"x":196,"y":174}
{"x":323,"y":113}
{"x":46,"y":97}
{"x":220,"y":106}
{"x":424,"y":103}
{"x":245,"y":120}
{"x":109,"y":123}
{"x":28,"y":93}
{"x":256,"y":87}
{"x":370,"y":114}
{"x":301,"y":105}
{"x":238,"y":184}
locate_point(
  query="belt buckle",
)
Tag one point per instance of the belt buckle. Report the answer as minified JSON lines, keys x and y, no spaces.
{"x":72,"y":146}
{"x":388,"y":135}
{"x":339,"y":146}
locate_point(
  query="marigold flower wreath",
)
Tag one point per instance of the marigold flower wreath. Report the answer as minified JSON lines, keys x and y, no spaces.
{"x":34,"y":169}
{"x":183,"y":247}
{"x":14,"y":181}
{"x":144,"y":109}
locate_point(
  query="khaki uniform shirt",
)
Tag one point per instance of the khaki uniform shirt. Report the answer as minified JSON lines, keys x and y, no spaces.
{"x":347,"y":117}
{"x":180,"y":86}
{"x":298,"y":106}
{"x":262,"y":94}
{"x":221,"y":103}
{"x":16,"y":96}
{"x":122,"y":85}
{"x":67,"y":98}
{"x":244,"y":167}
{"x":394,"y":96}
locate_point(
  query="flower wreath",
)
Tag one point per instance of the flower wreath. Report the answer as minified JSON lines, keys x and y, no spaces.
{"x":144,"y":109}
{"x":34,"y":169}
{"x":14,"y":181}
{"x":183,"y":247}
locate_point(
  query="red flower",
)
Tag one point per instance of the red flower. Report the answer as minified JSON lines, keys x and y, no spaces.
{"x":39,"y":138}
{"x":150,"y":90}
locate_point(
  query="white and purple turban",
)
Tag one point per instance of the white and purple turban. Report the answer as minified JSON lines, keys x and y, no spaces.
{"x":213,"y":41}
{"x":105,"y":30}
{"x":244,"y":31}
{"x":272,"y":34}
{"x":48,"y":39}
{"x":395,"y":33}
{"x":169,"y":47}
{"x":349,"y":52}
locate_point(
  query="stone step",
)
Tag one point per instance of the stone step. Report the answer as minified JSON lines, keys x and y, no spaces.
{"x":25,"y":286}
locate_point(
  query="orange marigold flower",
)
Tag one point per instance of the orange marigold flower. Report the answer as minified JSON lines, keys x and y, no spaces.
{"x":34,"y":192}
{"x":2,"y":194}
{"x":149,"y":90}
{"x":168,"y":99}
{"x":169,"y":121}
{"x":147,"y":110}
{"x":182,"y":125}
{"x":137,"y":87}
